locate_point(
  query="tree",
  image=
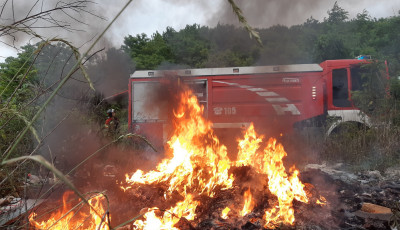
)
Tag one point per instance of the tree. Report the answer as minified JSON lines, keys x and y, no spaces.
{"x":337,"y":14}
{"x":330,"y":47}
{"x":16,"y":74}
{"x":134,"y":45}
{"x":147,"y":53}
{"x":188,"y":45}
{"x":18,"y":78}
{"x":311,"y":21}
{"x":228,"y":58}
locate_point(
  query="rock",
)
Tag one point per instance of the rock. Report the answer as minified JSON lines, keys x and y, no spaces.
{"x":375,"y":174}
{"x":337,"y":166}
{"x":366,"y":194}
{"x":392,"y":172}
{"x":373,"y":208}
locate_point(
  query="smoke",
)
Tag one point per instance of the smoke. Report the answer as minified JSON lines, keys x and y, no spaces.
{"x":72,"y":134}
{"x":110,"y":72}
{"x":266,"y":13}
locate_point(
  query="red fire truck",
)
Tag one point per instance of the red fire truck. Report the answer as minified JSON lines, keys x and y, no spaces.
{"x":275,"y":98}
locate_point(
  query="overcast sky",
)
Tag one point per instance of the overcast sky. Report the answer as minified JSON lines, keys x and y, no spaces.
{"x":149,"y":16}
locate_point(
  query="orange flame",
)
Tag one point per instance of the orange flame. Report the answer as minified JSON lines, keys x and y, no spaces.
{"x":270,"y":162}
{"x":198,"y":161}
{"x":248,"y":203}
{"x":184,"y":209}
{"x":66,"y":218}
{"x":286,"y":188}
{"x":321,"y":201}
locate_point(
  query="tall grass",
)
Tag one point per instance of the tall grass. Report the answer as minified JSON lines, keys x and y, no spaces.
{"x":363,"y":148}
{"x":29,"y":124}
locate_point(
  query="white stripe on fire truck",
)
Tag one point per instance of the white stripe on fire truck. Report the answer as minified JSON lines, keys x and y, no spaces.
{"x":277,"y":99}
{"x":260,"y":91}
{"x":267,"y":94}
{"x":257,"y":89}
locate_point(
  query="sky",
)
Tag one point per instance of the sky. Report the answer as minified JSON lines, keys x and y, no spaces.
{"x":149,"y":16}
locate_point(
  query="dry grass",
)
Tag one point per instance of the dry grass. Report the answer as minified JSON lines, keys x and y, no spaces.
{"x":363,"y":148}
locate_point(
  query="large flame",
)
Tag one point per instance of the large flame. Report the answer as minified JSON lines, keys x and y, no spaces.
{"x":67,"y":218}
{"x":270,"y":162}
{"x":199,"y":165}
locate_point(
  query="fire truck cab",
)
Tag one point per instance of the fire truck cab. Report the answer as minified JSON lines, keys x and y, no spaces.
{"x":276,"y":98}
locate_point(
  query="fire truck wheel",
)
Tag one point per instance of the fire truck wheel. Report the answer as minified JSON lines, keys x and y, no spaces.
{"x":348,"y":129}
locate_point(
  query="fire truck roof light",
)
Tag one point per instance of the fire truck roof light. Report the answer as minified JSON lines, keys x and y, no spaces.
{"x":236,"y":70}
{"x":362,"y":57}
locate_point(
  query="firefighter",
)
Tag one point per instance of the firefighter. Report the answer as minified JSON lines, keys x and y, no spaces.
{"x":112,"y":122}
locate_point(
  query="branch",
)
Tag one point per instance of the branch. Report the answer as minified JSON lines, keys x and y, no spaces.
{"x":242,"y":19}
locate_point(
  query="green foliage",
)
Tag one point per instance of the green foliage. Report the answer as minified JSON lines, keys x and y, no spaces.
{"x":337,"y":37}
{"x":228,"y":58}
{"x":17,"y":80}
{"x":372,"y":99}
{"x":330,"y":47}
{"x":395,"y":88}
{"x":363,"y":148}
{"x":188,"y":45}
{"x":147,"y":53}
{"x":17,"y":75}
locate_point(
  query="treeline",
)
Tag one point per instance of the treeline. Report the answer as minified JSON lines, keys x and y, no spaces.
{"x":336,"y":37}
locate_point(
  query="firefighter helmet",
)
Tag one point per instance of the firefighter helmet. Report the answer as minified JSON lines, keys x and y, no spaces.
{"x":110,"y":112}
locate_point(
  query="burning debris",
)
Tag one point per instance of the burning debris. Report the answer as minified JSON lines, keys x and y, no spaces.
{"x":199,"y":171}
{"x":74,"y":216}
